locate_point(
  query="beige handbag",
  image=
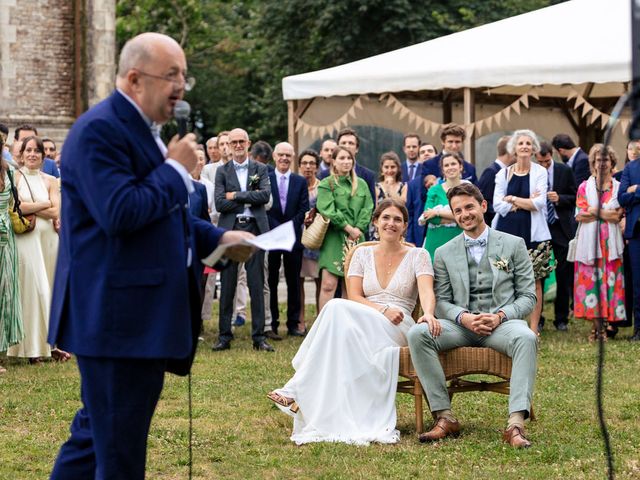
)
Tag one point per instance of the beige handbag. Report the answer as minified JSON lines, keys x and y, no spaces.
{"x":313,"y":235}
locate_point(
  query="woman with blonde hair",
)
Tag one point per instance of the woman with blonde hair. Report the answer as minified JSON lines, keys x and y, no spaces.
{"x":344,"y":199}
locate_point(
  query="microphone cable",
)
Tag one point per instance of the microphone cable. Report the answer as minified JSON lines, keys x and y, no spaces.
{"x":600,"y":321}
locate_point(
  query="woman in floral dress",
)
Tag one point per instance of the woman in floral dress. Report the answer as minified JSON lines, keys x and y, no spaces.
{"x":599,"y":278}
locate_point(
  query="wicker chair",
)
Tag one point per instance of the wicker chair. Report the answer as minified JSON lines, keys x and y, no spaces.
{"x":456,"y":364}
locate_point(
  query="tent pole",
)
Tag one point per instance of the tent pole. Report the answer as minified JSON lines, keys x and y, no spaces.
{"x":291,"y":124}
{"x":469,"y":117}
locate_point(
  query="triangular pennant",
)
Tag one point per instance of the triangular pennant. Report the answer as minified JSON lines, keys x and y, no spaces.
{"x":305,"y":129}
{"x":419,"y":122}
{"x":580,"y":100}
{"x":498,"y":118}
{"x":533,"y":93}
{"x":343,"y":121}
{"x":390,"y":100}
{"x":572,"y":94}
{"x":382,"y":96}
{"x":595,"y":115}
{"x":335,"y":126}
{"x":524,"y":99}
{"x":516,"y":106}
{"x":489,"y":121}
{"x":358,"y":103}
{"x":479,"y":125}
{"x":404,"y":111}
{"x":299,"y":125}
{"x":397,"y":107}
{"x":427,"y":126}
{"x":507,"y":113}
{"x":625,"y":125}
{"x":351,"y":112}
{"x":434,"y":128}
{"x":586,"y":108}
{"x":469,"y":129}
{"x":412,"y":118}
{"x":604,"y":119}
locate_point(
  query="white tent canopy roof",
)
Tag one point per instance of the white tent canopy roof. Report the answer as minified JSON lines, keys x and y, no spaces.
{"x":576,"y":42}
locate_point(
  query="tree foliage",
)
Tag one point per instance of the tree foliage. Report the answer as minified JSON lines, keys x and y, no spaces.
{"x":240,"y":51}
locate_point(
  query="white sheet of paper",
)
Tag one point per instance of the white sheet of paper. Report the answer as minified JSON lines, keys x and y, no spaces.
{"x":280,"y":238}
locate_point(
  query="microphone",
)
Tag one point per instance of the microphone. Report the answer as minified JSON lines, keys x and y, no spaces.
{"x":181,"y":113}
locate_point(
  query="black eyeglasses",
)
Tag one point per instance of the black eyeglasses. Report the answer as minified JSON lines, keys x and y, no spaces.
{"x":178,"y":79}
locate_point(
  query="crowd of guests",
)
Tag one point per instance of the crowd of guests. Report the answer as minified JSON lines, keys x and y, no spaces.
{"x":253,"y":187}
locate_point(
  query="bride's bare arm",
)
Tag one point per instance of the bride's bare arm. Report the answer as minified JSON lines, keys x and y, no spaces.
{"x":428,"y":304}
{"x":356,"y":293}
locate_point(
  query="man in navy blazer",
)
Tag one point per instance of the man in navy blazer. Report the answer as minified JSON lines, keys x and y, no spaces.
{"x":126,"y":297}
{"x":452,"y":137}
{"x":411,"y":148}
{"x":290,"y":203}
{"x":629,"y":198}
{"x":573,"y":156}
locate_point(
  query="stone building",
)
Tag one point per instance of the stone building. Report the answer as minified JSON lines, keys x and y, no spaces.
{"x":57,"y":58}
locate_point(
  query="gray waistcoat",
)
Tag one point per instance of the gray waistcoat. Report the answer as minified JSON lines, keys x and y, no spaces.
{"x":480,"y":284}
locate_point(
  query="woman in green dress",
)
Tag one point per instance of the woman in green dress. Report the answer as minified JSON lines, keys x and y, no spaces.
{"x":11,"y":331}
{"x":344,"y":199}
{"x":441,"y":226}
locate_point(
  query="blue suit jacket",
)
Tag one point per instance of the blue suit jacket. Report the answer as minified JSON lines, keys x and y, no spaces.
{"x":198,"y":202}
{"x":432,"y":167}
{"x":405,"y":171}
{"x":580,"y":167}
{"x":49,"y":166}
{"x":416,"y":199}
{"x":487,"y":185}
{"x":364,"y":173}
{"x":122,"y":287}
{"x":630,"y":201}
{"x":296,"y":207}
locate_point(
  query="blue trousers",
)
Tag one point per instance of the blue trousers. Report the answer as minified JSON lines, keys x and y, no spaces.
{"x":634,"y":256}
{"x":109,"y":433}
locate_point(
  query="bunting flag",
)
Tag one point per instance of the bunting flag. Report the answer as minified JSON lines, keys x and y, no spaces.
{"x":337,"y":124}
{"x":584,"y":108}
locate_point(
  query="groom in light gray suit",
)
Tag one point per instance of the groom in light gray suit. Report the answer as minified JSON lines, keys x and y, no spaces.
{"x":484,"y":287}
{"x":242,"y":190}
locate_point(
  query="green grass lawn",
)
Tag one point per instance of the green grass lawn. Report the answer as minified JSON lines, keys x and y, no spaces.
{"x":239,"y":434}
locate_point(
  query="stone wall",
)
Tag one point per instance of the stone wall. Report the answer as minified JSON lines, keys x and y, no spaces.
{"x":37,"y":61}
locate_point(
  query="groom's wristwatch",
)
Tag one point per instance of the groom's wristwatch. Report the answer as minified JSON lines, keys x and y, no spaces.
{"x":503,"y":317}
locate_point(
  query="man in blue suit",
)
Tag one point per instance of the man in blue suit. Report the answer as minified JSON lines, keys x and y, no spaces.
{"x":126,"y":297}
{"x":629,"y":198}
{"x":290,"y":202}
{"x":573,"y":156}
{"x":411,"y":149}
{"x":452,"y":137}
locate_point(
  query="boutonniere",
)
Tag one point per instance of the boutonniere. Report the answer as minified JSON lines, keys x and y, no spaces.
{"x":254,"y":182}
{"x":501,"y":264}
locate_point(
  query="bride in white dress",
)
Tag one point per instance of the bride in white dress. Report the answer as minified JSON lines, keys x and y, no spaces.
{"x":344,"y":387}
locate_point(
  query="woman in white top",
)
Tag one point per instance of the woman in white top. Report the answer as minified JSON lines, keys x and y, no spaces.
{"x":346,"y":375}
{"x":520,"y":201}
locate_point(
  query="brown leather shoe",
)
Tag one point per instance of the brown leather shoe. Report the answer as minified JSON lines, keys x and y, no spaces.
{"x":514,"y":436}
{"x":441,"y":429}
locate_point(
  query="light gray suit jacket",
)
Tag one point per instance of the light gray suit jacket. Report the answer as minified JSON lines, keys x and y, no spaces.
{"x":513,"y":291}
{"x":256,"y":197}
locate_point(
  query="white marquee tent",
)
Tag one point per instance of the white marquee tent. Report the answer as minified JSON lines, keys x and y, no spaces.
{"x":574,"y":52}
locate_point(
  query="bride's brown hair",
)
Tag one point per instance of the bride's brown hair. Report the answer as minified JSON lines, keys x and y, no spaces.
{"x":391,"y":202}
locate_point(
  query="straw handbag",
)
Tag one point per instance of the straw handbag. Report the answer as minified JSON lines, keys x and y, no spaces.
{"x":313,"y":235}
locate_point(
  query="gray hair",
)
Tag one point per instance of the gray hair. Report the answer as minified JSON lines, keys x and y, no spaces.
{"x":511,"y":146}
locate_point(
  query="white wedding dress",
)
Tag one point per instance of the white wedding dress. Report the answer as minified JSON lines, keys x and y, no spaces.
{"x":347,"y":366}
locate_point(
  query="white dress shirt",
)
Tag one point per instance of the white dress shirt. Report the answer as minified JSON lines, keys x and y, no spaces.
{"x":243,"y":176}
{"x":477,"y":251}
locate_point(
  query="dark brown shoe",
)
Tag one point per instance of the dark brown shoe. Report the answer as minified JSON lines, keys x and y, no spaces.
{"x":514,"y":436}
{"x":441,"y":429}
